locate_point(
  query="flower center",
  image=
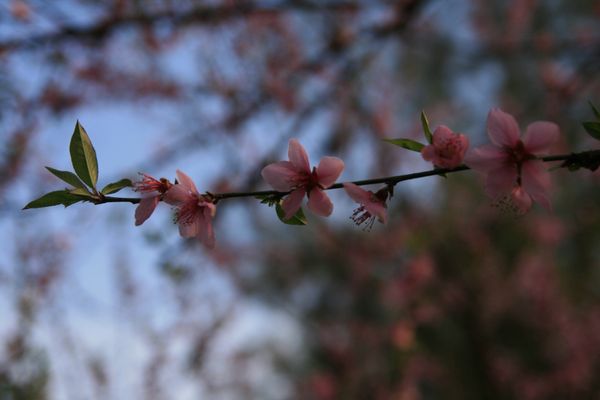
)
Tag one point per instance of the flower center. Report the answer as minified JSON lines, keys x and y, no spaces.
{"x":506,"y":205}
{"x":309,"y":181}
{"x":149,"y":184}
{"x":361,"y":216}
{"x":449,"y":148}
{"x":517,"y":202}
{"x":518,"y":154}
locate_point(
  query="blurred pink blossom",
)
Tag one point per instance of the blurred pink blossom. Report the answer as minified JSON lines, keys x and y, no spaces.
{"x":194,"y":211}
{"x":296,"y":176}
{"x":513,"y":173}
{"x":151,"y":189}
{"x":372,"y":205}
{"x":448,"y":148}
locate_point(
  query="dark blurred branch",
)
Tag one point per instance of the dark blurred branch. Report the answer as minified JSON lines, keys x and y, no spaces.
{"x":203,"y":15}
{"x":336,"y":55}
{"x":405,"y":11}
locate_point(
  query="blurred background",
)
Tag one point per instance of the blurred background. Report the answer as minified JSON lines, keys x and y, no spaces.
{"x":452,"y":299}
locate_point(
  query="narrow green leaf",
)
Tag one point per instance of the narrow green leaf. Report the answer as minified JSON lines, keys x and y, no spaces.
{"x":296,"y":219}
{"x":426,"y":130}
{"x":83,"y":156}
{"x":68,"y":177}
{"x":81,"y":192}
{"x":595,"y":110}
{"x":408,"y":144}
{"x":116,"y":186}
{"x":53,"y":199}
{"x":593,"y":128}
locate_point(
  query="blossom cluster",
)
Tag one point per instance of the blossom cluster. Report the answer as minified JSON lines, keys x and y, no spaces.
{"x":514,"y":178}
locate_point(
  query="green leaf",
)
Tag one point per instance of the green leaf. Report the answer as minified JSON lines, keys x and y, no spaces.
{"x":408,"y":144}
{"x":81,"y":192}
{"x":63,"y":197}
{"x":68,"y":177}
{"x":593,"y":128}
{"x":426,"y":130}
{"x":595,"y":110}
{"x":296,"y":219}
{"x":116,"y":186}
{"x":83,"y":156}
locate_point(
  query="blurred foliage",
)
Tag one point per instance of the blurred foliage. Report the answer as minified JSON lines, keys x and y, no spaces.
{"x":457,"y":303}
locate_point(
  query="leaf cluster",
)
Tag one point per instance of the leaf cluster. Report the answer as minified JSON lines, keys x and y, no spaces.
{"x":83,"y":180}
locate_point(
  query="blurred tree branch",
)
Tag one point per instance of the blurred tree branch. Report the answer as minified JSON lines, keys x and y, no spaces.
{"x":199,"y":15}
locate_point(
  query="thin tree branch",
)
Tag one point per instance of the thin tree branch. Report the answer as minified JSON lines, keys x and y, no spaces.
{"x":207,"y":15}
{"x":584,"y":159}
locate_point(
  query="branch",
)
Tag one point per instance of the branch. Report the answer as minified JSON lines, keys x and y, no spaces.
{"x":587,"y":159}
{"x":199,"y":15}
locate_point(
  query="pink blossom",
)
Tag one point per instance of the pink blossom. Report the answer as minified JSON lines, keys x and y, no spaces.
{"x":151,"y":190}
{"x":194,"y":211}
{"x":448,"y":148}
{"x":513,"y":173}
{"x":372,"y":205}
{"x":295,"y":176}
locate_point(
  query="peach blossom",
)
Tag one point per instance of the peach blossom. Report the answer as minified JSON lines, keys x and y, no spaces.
{"x":194,"y":211}
{"x":448,"y":148}
{"x":296,"y":177}
{"x":513,"y":172}
{"x":372,"y":205}
{"x":151,"y":189}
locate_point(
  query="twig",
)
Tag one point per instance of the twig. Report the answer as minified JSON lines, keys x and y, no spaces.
{"x":570,"y":160}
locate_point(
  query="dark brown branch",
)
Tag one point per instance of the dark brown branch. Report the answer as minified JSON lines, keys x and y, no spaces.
{"x":203,"y":15}
{"x":581,"y":159}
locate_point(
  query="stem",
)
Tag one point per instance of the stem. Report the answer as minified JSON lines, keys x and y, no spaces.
{"x":106,"y":199}
{"x":389,"y":180}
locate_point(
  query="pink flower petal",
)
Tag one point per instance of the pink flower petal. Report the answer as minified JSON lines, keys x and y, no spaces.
{"x":280,"y":175}
{"x":536,"y":181}
{"x":428,"y":153}
{"x":145,"y":209}
{"x":177,"y":194}
{"x":368,"y":200}
{"x":209,"y":209}
{"x":502,"y":128}
{"x":521,"y":199}
{"x":356,"y":193}
{"x":486,"y":158}
{"x":464,"y":143}
{"x":540,"y":136}
{"x":297,"y":155}
{"x":319,"y":203}
{"x":441,"y":134}
{"x":328,"y":170}
{"x":206,"y":232}
{"x":448,"y":148}
{"x":377,"y":209}
{"x":190,"y":228}
{"x":186,"y":181}
{"x":292,"y":202}
{"x":500,"y":181}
